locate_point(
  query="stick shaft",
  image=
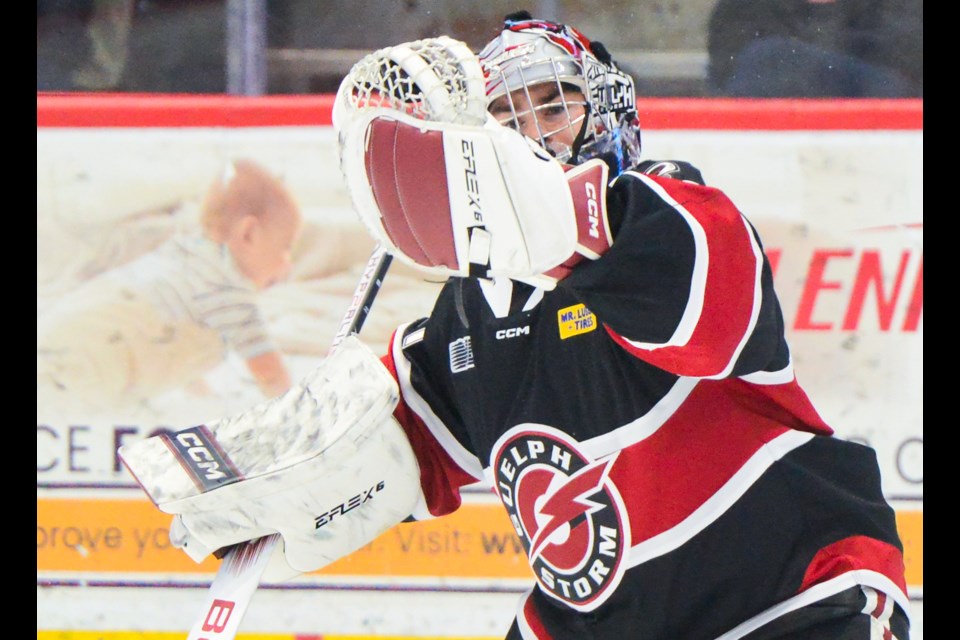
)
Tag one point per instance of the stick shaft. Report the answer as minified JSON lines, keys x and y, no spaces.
{"x":366,"y":291}
{"x":243,"y":565}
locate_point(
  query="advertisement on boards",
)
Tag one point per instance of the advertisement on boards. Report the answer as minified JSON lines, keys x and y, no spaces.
{"x":186,"y":273}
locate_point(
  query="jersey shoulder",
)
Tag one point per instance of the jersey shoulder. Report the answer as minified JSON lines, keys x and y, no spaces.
{"x":675,"y":169}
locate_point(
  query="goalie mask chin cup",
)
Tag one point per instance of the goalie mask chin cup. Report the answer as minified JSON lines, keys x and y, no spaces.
{"x":531,"y":52}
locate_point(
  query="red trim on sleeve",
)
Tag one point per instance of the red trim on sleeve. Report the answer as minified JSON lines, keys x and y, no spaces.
{"x":787,"y":404}
{"x":440,"y":476}
{"x":532,"y":618}
{"x":853,"y":553}
{"x":729,"y":294}
{"x":881,"y":603}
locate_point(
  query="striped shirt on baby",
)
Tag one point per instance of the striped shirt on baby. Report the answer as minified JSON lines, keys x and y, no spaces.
{"x":195,"y":278}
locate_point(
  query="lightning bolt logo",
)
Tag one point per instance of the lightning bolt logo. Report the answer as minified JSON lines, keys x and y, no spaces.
{"x":567,"y":511}
{"x":568,"y":502}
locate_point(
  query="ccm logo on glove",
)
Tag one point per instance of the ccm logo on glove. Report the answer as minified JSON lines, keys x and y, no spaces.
{"x":593,"y":209}
{"x":588,"y":188}
{"x":327,"y":516}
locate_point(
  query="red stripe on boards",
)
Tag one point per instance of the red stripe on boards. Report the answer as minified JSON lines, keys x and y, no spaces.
{"x":179,"y":110}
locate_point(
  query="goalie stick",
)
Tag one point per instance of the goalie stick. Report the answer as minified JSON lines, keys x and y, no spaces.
{"x":243,"y":565}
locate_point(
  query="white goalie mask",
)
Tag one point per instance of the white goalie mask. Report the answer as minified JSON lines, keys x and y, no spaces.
{"x":529,"y":53}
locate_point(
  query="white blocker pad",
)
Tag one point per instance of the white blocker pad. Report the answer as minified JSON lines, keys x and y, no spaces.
{"x":325,"y":465}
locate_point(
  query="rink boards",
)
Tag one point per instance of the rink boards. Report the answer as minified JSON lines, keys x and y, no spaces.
{"x":835,"y":190}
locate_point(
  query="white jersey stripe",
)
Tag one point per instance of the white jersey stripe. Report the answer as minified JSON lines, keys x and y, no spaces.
{"x":526,"y":631}
{"x":644,"y":426}
{"x":698,"y":280}
{"x":768,"y":378}
{"x":819,"y":592}
{"x":463,"y":458}
{"x":719,"y":502}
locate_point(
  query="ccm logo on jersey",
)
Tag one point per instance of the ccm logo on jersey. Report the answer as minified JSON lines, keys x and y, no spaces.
{"x":343,"y":509}
{"x":198,"y":453}
{"x":566,"y":511}
{"x":513,"y":332}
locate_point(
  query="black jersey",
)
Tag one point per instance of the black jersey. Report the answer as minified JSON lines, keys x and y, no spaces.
{"x":644,"y":429}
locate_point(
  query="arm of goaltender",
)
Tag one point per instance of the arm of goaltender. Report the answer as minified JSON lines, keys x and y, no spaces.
{"x":330,"y":446}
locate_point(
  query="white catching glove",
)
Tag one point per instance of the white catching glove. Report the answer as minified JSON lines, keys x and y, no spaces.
{"x":444,"y":186}
{"x":325,"y":465}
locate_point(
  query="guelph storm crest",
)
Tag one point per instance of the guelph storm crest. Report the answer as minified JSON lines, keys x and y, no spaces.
{"x":566,"y":511}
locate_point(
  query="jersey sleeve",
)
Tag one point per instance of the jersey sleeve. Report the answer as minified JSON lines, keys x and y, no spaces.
{"x":685,"y":285}
{"x":431,"y":422}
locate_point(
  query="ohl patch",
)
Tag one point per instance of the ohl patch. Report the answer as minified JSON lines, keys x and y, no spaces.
{"x":575,"y":320}
{"x":566,"y":511}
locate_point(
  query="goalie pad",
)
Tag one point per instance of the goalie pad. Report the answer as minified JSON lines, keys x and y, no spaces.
{"x":325,"y":465}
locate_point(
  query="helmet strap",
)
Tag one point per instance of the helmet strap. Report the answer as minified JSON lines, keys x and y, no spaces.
{"x":578,"y":141}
